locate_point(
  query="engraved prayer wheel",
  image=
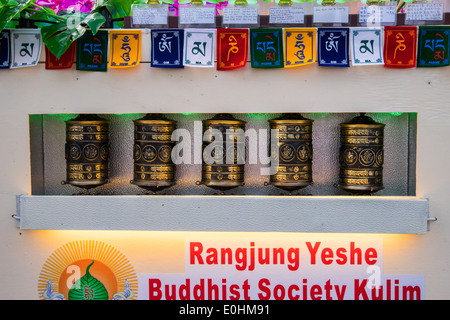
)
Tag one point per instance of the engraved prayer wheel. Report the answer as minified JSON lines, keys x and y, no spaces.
{"x":361,"y":155}
{"x":295,"y":152}
{"x":223,"y":152}
{"x":87,"y":151}
{"x":153,"y":166}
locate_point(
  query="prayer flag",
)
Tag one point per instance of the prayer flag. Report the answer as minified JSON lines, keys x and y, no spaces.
{"x":232,"y":48}
{"x":400,"y":46}
{"x":366,"y":46}
{"x":333,"y":45}
{"x":199,"y":47}
{"x":433,"y":46}
{"x":92,"y":51}
{"x":5,"y":49}
{"x":299,"y":46}
{"x":266,"y":47}
{"x":64,"y":62}
{"x":26,"y":46}
{"x":167,"y":48}
{"x":125,"y":48}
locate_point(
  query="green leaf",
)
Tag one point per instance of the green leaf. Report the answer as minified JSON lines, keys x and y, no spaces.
{"x":94,"y":21}
{"x":59,"y":36}
{"x":88,"y":288}
{"x":7,"y":13}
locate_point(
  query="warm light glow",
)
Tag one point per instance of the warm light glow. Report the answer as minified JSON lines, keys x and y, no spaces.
{"x":70,"y":262}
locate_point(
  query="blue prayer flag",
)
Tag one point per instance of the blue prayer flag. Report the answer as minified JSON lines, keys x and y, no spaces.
{"x":4,"y":49}
{"x":167,"y":48}
{"x":333,"y":47}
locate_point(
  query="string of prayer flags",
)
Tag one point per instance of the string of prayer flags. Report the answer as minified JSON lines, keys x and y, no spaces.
{"x":26,"y":46}
{"x":400,"y":44}
{"x":366,"y":46}
{"x":266,"y":47}
{"x":199,"y":47}
{"x":64,"y":62}
{"x":433,"y":46}
{"x":299,"y":46}
{"x":333,"y":47}
{"x":232,"y":48}
{"x":5,"y":49}
{"x":167,"y":48}
{"x":92,"y":51}
{"x":125,"y":46}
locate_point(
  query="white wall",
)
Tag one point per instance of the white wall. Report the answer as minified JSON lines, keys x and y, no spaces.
{"x":144,"y":89}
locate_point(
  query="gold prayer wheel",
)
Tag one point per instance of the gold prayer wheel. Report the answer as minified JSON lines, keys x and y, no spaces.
{"x":153,"y":166}
{"x":361,"y":155}
{"x":223,"y":152}
{"x":295,"y":152}
{"x":87,"y":151}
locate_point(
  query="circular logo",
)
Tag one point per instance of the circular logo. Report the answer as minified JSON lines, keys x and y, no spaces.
{"x":137,"y":152}
{"x":367,"y":157}
{"x":90,"y":151}
{"x":216,"y":152}
{"x":104,"y":152}
{"x":149,"y":153}
{"x":74,"y":152}
{"x":87,"y":270}
{"x":380,"y":157}
{"x":303,"y":152}
{"x":287,"y":152}
{"x":234,"y":154}
{"x":350,"y":156}
{"x":164,"y":153}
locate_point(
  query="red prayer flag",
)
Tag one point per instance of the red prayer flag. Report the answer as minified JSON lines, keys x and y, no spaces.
{"x":400,"y":46}
{"x":64,"y":62}
{"x":232,"y":48}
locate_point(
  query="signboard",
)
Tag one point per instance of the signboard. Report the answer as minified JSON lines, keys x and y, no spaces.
{"x":285,"y":269}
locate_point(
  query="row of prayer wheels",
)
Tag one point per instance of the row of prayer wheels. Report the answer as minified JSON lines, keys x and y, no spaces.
{"x":360,"y":156}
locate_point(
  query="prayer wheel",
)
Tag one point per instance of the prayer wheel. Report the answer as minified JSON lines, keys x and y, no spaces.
{"x":153,"y":166}
{"x":295,"y":152}
{"x":223,"y":152}
{"x":361,"y":155}
{"x":87,"y":151}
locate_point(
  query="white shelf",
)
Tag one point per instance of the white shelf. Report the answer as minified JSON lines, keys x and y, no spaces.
{"x":325,"y":214}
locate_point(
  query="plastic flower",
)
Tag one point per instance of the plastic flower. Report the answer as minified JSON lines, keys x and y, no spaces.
{"x":67,"y":5}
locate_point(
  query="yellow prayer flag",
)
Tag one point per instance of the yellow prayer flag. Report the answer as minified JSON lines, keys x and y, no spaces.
{"x":300,"y":46}
{"x":125,"y":48}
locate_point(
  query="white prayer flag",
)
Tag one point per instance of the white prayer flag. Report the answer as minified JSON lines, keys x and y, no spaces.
{"x":199,"y":47}
{"x":26,"y":45}
{"x":366,"y":46}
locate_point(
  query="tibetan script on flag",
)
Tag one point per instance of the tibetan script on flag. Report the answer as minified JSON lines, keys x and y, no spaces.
{"x":433,"y":46}
{"x":125,"y":48}
{"x":26,"y":46}
{"x":400,"y":46}
{"x":366,"y":46}
{"x":300,"y":46}
{"x":333,"y":46}
{"x":167,"y":48}
{"x":232,"y":48}
{"x":91,"y":51}
{"x":266,"y":48}
{"x":199,"y":47}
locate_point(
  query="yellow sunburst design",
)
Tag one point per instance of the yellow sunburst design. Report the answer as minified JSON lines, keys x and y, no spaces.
{"x":69,"y":262}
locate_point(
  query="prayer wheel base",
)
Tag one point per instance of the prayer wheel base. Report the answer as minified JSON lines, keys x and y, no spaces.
{"x":360,"y":190}
{"x":86,"y":184}
{"x":221,"y":186}
{"x":290,"y":186}
{"x":152,"y":186}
